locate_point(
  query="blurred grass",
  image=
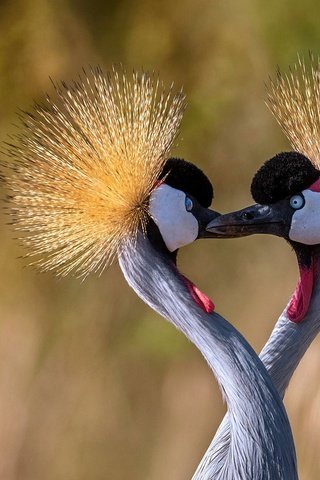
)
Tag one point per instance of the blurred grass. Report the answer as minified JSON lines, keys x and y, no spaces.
{"x":92,"y":383}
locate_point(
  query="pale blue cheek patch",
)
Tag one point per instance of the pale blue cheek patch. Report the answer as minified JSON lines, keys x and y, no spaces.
{"x":305,"y":223}
{"x":177,"y":226}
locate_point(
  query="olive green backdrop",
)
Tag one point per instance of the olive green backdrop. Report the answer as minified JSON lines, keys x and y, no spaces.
{"x":93,"y":384}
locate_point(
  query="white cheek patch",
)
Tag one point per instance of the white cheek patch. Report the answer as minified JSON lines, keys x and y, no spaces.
{"x":177,"y":226}
{"x":305,"y":223}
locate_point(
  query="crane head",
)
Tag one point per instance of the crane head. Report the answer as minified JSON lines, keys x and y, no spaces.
{"x":287,"y":191}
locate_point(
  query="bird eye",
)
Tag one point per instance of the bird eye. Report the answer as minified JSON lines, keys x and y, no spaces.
{"x":297,"y":202}
{"x":188,"y":203}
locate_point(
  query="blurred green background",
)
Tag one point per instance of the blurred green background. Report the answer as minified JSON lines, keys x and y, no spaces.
{"x":93,"y":384}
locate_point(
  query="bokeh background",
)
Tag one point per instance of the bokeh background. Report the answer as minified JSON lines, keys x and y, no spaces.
{"x":93,"y":384}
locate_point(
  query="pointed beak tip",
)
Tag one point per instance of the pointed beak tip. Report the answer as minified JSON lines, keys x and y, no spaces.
{"x":213,"y":224}
{"x":209,"y":226}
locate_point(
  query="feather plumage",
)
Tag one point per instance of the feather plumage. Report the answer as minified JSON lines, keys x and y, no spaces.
{"x":294,"y":100}
{"x":85,"y":164}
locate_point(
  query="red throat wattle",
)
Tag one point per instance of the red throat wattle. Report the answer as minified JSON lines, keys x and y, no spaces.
{"x":199,"y":297}
{"x":300,"y":300}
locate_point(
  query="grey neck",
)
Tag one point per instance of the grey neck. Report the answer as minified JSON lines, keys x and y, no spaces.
{"x":281,"y":355}
{"x":261,"y":440}
{"x":289,"y":341}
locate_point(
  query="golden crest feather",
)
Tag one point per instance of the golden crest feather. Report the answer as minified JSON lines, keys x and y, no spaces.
{"x":294,"y":100}
{"x":85,"y":164}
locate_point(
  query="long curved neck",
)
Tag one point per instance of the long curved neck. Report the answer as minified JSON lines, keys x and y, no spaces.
{"x":281,"y":355}
{"x":261,"y":441}
{"x":289,"y":341}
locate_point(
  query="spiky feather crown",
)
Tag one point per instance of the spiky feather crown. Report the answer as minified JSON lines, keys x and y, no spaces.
{"x":294,"y":100}
{"x":85,"y":164}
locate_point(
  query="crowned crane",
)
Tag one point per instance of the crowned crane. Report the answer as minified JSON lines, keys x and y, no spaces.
{"x":287,"y":191}
{"x":90,"y":182}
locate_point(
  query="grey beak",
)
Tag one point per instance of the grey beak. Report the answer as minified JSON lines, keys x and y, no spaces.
{"x":272,"y":219}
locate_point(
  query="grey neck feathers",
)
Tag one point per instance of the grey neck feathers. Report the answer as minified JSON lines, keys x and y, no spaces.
{"x":289,"y":341}
{"x":281,"y":355}
{"x":261,"y":446}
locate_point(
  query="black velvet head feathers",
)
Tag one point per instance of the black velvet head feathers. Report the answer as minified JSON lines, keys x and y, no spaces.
{"x":284,"y":175}
{"x":190,"y":179}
